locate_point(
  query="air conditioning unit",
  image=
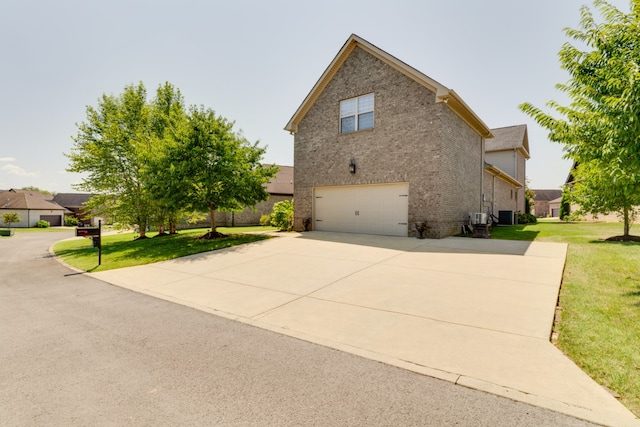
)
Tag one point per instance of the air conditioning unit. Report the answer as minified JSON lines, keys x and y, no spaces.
{"x":478,"y":218}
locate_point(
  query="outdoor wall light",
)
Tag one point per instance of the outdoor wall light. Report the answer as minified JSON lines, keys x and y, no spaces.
{"x":352,"y":166}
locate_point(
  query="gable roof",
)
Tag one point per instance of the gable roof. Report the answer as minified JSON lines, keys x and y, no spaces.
{"x":442,"y":93}
{"x":26,"y":200}
{"x":45,"y":196}
{"x":546,"y":195}
{"x":72,"y":200}
{"x":509,"y":138}
{"x":282,"y":183}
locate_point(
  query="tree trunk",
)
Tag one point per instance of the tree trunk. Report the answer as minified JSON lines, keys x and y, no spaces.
{"x":213,"y":218}
{"x":626,"y":221}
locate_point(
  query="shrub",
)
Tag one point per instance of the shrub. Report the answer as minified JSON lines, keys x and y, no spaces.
{"x":42,"y":224}
{"x":70,"y":221}
{"x":525,"y":218}
{"x":265,"y":220}
{"x":282,"y":215}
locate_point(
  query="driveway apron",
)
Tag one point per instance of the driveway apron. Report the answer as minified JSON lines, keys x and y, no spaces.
{"x":475,"y":312}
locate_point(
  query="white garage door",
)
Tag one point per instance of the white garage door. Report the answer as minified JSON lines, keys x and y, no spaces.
{"x":368,"y":209}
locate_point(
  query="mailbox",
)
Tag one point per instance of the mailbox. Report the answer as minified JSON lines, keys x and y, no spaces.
{"x":87,"y":231}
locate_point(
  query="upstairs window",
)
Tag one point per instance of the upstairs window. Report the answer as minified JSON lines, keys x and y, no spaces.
{"x":356,"y":113}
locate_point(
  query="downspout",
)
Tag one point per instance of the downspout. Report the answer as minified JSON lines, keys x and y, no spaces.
{"x":482,"y":142}
{"x":493,"y":195}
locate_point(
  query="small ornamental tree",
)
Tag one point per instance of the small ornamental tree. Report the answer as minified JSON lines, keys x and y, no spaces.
{"x":600,"y":128}
{"x":11,"y":217}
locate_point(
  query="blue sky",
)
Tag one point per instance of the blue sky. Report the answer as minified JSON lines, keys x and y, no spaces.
{"x":254,"y":62}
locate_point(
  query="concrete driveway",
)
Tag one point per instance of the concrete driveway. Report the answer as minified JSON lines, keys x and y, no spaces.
{"x":471,"y":311}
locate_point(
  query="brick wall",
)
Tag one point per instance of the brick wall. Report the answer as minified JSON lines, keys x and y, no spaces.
{"x":500,"y":195}
{"x":414,"y":140}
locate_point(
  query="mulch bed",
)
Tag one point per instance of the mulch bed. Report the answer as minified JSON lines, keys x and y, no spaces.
{"x":623,"y":239}
{"x":212,"y":235}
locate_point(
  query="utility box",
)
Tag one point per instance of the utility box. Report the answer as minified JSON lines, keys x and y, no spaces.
{"x":506,"y":218}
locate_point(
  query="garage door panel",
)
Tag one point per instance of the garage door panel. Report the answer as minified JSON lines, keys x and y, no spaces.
{"x":369,"y":209}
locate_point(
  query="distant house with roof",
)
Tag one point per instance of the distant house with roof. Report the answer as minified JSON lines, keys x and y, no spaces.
{"x":280,"y":188}
{"x":75,"y":204}
{"x":31,"y":206}
{"x":547,"y":203}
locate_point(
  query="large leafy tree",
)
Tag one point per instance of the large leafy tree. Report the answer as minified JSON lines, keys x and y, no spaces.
{"x":600,"y":128}
{"x":168,"y":121}
{"x":112,"y":148}
{"x":214,"y":168}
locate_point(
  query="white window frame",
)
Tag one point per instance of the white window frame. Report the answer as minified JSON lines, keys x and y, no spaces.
{"x":357,"y":113}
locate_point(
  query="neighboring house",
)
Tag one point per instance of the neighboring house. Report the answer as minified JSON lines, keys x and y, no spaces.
{"x":380,"y":146}
{"x":75,"y":204}
{"x":543,"y":199}
{"x":31,"y":206}
{"x":554,"y":206}
{"x":279,"y":188}
{"x":506,"y":155}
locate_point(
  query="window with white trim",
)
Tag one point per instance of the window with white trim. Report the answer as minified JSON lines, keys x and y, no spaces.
{"x":356,"y":113}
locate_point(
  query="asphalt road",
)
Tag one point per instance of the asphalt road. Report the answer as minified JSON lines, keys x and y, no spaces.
{"x":76,"y":351}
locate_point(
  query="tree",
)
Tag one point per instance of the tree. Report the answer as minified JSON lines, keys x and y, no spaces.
{"x":113,"y":147}
{"x":168,"y":120}
{"x":11,"y":217}
{"x":529,"y":196}
{"x":32,"y":188}
{"x":600,"y":128}
{"x":214,"y":168}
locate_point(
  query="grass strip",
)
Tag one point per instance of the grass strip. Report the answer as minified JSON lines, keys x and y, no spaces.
{"x":121,"y":250}
{"x":599,"y":324}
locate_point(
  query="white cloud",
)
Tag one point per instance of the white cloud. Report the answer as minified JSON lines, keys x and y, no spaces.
{"x":16,"y":170}
{"x":7,"y":159}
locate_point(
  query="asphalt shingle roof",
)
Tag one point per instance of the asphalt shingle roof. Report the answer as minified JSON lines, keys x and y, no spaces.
{"x":508,"y":138}
{"x":546,"y":195}
{"x":71,"y":200}
{"x":282,"y":183}
{"x":26,"y":200}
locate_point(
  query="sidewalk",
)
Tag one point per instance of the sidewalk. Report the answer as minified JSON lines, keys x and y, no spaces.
{"x":475,"y":312}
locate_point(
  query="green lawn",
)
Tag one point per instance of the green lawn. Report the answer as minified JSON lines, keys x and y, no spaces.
{"x":599,"y":325}
{"x":121,"y":250}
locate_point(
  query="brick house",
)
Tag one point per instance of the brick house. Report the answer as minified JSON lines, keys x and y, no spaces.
{"x":544,"y":203}
{"x":280,"y":188}
{"x":379,"y":146}
{"x":75,"y":204}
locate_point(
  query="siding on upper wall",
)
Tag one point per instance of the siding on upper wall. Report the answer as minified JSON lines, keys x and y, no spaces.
{"x":505,"y":160}
{"x":414,"y":140}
